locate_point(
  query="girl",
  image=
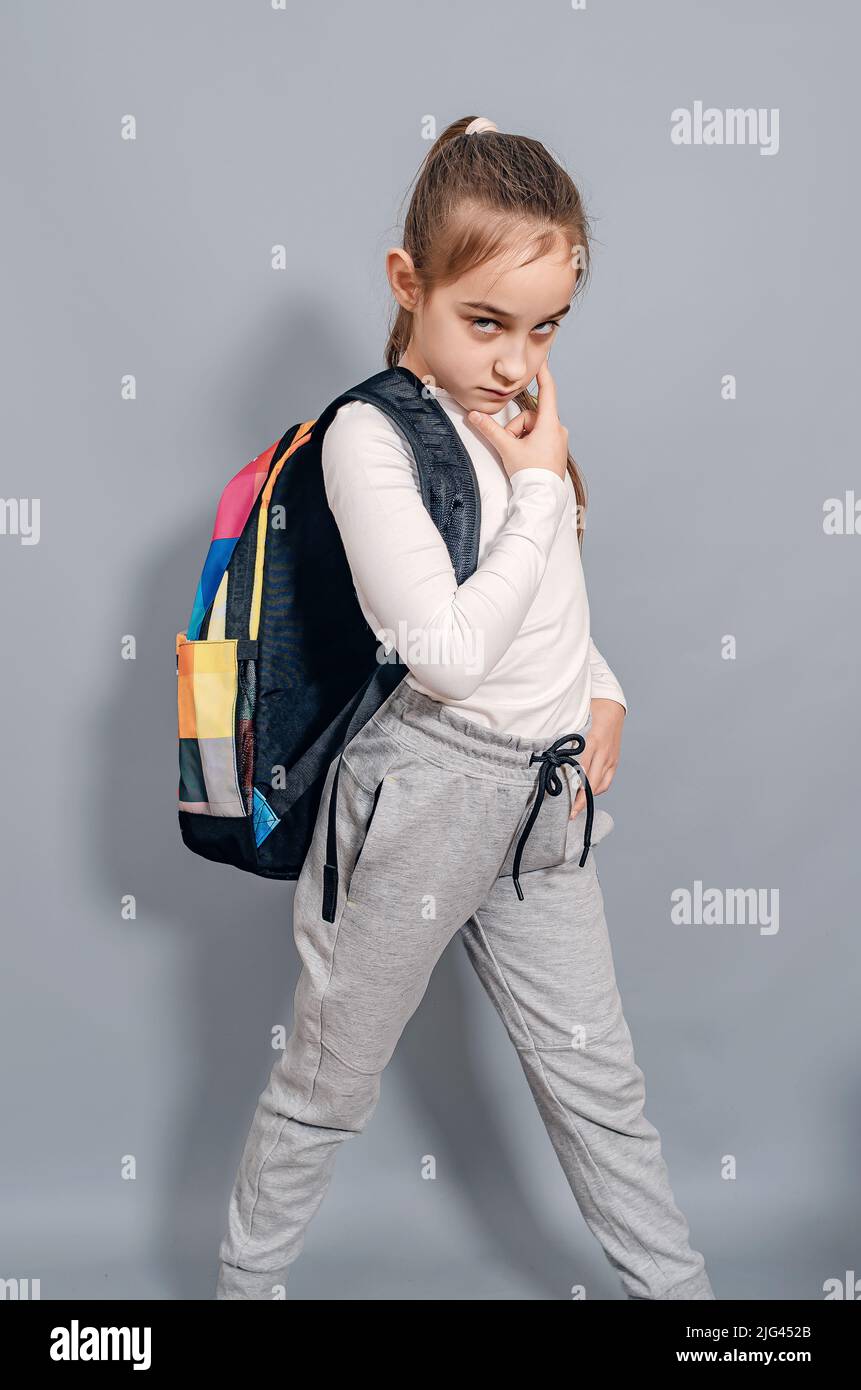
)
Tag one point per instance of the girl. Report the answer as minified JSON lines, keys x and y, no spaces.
{"x":465,"y":748}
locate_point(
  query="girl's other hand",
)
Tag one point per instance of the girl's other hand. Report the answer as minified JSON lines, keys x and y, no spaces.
{"x":534,"y":438}
{"x":600,"y":757}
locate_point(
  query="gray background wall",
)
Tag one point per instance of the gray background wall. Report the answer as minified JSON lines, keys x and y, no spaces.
{"x":151,"y":1037}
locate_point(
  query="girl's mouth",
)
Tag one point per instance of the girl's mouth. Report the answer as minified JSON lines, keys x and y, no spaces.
{"x":501,"y":394}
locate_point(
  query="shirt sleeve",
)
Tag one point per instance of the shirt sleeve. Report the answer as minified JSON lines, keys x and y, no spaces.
{"x":604,"y":683}
{"x":449,"y":635}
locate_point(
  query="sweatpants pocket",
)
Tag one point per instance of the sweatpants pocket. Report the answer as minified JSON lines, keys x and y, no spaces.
{"x":375,"y":799}
{"x":602,"y":824}
{"x":360,"y":820}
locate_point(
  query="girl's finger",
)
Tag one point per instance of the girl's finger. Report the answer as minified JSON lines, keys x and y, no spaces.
{"x":586,"y":761}
{"x":531,"y":421}
{"x":547,"y":404}
{"x":521,"y":424}
{"x":600,"y":780}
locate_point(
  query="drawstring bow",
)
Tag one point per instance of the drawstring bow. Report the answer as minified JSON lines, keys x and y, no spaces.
{"x":550,"y":781}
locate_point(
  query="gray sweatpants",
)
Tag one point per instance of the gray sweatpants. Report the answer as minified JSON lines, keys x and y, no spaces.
{"x":430,"y":808}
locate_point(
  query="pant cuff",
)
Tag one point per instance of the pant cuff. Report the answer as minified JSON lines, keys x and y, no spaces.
{"x":236,"y":1283}
{"x":698,"y":1286}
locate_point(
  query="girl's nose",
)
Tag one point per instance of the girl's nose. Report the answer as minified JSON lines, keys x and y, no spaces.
{"x":510,"y":368}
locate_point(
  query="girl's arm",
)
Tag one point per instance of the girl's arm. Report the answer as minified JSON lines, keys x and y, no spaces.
{"x":600,"y":757}
{"x":604,"y":683}
{"x":450,"y":636}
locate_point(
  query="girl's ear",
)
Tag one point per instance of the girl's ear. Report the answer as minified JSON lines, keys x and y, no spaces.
{"x":401,"y":271}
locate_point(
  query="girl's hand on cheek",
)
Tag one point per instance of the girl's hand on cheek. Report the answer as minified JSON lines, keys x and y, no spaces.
{"x":534,"y":438}
{"x":600,"y":757}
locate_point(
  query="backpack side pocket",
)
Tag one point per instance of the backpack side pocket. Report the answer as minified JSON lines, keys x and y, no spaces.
{"x":246,"y":701}
{"x":215,"y":707}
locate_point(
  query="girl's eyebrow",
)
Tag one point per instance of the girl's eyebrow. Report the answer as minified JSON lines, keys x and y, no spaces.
{"x":504,"y":314}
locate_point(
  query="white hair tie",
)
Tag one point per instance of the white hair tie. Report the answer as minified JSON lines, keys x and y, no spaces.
{"x":479,"y":124}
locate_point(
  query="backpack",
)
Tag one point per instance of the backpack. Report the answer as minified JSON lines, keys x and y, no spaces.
{"x":278,"y":667}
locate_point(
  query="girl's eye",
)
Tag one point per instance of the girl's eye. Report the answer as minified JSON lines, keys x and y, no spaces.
{"x":550,"y":324}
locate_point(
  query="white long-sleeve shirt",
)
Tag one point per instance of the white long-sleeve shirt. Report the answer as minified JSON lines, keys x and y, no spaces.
{"x":510,"y":648}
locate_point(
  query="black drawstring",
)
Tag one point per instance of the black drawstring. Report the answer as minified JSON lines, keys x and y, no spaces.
{"x":330,"y":868}
{"x":550,"y":781}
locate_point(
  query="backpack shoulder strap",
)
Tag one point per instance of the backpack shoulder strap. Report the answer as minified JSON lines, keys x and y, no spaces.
{"x":449,"y":487}
{"x":449,"y":490}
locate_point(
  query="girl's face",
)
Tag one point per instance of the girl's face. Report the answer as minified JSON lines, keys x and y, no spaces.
{"x":484,"y":336}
